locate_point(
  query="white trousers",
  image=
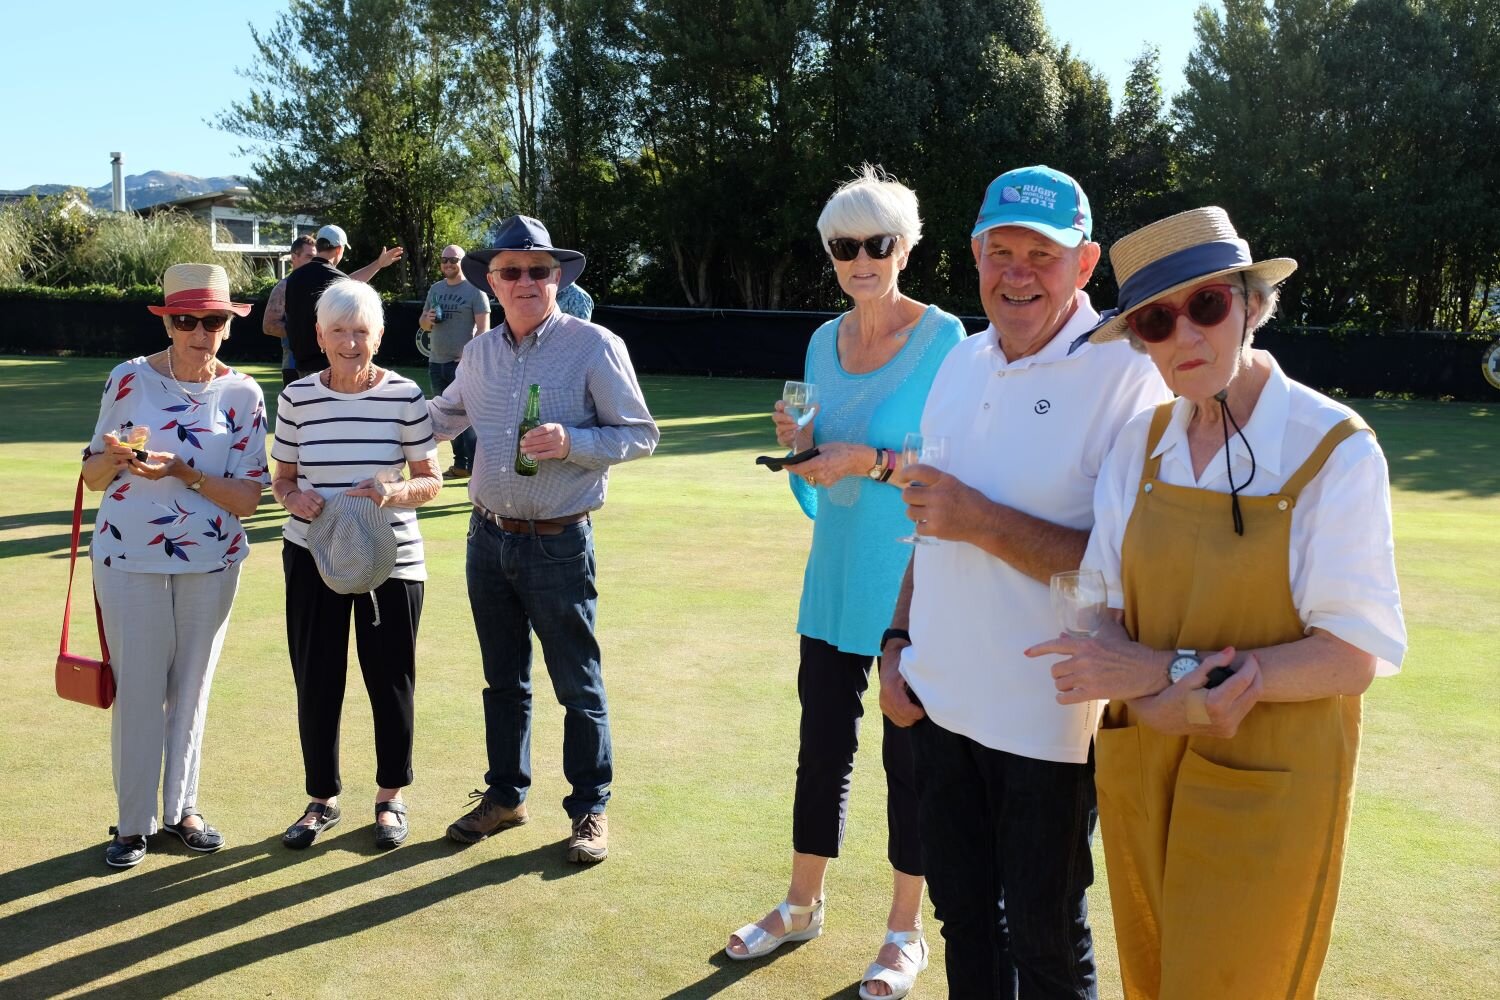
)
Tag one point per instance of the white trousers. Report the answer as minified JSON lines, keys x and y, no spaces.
{"x":165,"y":633}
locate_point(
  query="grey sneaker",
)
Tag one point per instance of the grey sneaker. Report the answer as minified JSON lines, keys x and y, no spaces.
{"x":487,"y":817}
{"x":590,"y":840}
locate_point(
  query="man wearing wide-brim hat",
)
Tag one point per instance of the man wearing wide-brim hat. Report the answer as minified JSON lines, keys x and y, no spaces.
{"x":530,"y":551}
{"x":1006,"y":783}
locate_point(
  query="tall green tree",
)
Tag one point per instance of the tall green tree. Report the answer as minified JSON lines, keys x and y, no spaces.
{"x":363,"y":111}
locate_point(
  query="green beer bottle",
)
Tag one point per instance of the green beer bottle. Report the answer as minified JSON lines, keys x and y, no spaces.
{"x":525,"y":464}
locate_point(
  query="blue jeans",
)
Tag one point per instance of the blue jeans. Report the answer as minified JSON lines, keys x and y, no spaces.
{"x":1005,"y":842}
{"x":441,"y":374}
{"x":519,"y":582}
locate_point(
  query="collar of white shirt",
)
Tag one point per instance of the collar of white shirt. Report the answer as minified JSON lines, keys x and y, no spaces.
{"x":1266,"y":430}
{"x":1055,"y":350}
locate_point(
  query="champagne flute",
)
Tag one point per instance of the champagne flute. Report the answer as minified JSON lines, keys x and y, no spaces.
{"x":917,"y":449}
{"x":1079,"y":600}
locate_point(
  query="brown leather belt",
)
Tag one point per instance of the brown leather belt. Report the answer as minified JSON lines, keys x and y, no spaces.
{"x":538,"y":526}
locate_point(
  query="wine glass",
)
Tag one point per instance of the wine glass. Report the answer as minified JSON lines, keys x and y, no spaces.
{"x":919,"y":450}
{"x":1079,"y":600}
{"x":801,"y":399}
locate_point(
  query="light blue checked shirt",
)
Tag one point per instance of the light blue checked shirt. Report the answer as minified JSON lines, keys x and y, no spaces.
{"x":588,"y":386}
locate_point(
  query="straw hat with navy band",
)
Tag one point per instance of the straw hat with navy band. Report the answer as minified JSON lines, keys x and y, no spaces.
{"x":521,"y":232}
{"x":197,"y":288}
{"x":1176,"y":253}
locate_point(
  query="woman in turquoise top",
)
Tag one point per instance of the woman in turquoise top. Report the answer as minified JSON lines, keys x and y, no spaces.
{"x":872,"y":366}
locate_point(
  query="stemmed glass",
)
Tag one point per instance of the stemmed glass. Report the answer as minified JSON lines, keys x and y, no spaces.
{"x":918,"y":450}
{"x":1079,"y":600}
{"x":801,"y":399}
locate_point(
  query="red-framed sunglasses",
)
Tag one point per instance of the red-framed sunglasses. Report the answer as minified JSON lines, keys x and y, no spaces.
{"x":184,"y":323}
{"x":1207,"y":306}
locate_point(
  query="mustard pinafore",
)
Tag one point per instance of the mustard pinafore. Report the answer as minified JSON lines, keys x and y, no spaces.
{"x":1223,"y":856}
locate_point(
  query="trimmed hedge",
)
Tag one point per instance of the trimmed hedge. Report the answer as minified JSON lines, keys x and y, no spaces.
{"x":110,"y":322}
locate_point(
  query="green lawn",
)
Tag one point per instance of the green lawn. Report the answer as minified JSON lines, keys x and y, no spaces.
{"x":701,"y":559}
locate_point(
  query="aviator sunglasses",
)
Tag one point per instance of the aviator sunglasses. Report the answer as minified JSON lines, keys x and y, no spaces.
{"x":536,"y":272}
{"x":185,"y":324}
{"x":1206,"y":307}
{"x":845,"y":248}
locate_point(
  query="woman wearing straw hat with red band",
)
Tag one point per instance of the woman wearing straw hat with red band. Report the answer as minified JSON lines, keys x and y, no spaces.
{"x":179,"y":451}
{"x":1244,"y":531}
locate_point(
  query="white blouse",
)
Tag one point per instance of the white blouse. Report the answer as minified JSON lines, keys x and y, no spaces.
{"x":1343,"y":557}
{"x":159,"y":525}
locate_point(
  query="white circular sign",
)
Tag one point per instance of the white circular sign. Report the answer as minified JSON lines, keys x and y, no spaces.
{"x":1492,"y":365}
{"x":424,"y":342}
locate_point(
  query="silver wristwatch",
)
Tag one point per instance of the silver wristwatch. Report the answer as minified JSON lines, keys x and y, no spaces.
{"x":1183,"y":664}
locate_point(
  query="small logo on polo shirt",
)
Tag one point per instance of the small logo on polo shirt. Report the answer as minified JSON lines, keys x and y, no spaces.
{"x":1042,"y":406}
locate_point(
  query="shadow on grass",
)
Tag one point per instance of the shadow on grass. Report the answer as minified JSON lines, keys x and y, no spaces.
{"x":728,"y":971}
{"x":1439,"y":447}
{"x":175,"y":891}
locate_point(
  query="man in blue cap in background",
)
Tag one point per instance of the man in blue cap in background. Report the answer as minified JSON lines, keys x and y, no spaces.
{"x":1005,"y":774}
{"x":530,"y":562}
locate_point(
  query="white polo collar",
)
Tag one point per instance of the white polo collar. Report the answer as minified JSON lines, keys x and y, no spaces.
{"x":1055,"y":350}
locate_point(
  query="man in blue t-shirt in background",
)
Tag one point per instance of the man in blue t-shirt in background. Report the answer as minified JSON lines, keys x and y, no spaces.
{"x":455,"y":313}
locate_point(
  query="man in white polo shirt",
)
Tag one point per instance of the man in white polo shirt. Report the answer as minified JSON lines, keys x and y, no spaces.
{"x":1006,"y":775}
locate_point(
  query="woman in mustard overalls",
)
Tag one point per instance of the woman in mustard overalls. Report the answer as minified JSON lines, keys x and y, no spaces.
{"x":1244,"y":531}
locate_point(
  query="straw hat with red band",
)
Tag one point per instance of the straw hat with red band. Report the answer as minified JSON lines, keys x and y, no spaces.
{"x":1179,"y":252}
{"x":197,"y":288}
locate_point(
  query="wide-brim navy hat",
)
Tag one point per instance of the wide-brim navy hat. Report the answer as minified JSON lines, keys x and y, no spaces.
{"x":1175,"y":253}
{"x":521,"y":232}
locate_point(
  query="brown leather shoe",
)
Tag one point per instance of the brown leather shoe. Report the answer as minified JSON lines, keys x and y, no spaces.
{"x":590,"y":841}
{"x":487,"y":817}
{"x":456,"y":472}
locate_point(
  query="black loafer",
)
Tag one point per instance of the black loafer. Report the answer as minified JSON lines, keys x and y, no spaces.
{"x":203,"y":839}
{"x":299,"y":837}
{"x":125,"y":853}
{"x":390,"y":836}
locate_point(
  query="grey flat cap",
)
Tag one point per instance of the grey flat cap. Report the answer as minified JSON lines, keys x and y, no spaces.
{"x":353,"y":544}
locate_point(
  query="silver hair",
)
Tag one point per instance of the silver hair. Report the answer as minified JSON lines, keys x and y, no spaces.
{"x":1257,"y":289}
{"x":872,"y":204}
{"x":348,"y":301}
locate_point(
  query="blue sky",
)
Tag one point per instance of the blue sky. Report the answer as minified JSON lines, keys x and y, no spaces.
{"x":83,"y":79}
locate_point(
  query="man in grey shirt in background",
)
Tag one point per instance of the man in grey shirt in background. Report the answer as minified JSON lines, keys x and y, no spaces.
{"x":455,"y":313}
{"x":530,"y":559}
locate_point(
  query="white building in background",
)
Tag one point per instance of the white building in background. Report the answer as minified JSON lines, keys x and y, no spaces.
{"x":265,"y":239}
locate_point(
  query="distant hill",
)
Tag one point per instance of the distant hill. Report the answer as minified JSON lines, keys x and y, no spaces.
{"x":150,"y":188}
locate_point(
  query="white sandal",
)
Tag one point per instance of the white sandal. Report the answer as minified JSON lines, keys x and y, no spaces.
{"x":759,"y":942}
{"x":899,"y":982}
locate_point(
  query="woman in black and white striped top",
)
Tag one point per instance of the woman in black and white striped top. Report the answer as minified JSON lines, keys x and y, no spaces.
{"x":350,"y":429}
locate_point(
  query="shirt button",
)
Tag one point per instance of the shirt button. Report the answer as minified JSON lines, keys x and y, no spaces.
{"x":986,"y":406}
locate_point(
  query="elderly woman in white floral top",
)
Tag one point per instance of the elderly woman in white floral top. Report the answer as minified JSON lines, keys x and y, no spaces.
{"x":179,"y":451}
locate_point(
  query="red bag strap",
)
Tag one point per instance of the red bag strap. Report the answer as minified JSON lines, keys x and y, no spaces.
{"x":62,"y":648}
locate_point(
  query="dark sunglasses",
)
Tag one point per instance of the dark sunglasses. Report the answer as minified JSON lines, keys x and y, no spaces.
{"x":537,"y":272}
{"x":186,"y":324}
{"x":1206,"y":307}
{"x":846,"y":249}
{"x":452,"y":260}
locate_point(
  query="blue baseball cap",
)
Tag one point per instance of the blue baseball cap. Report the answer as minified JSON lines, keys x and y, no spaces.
{"x":1041,"y":199}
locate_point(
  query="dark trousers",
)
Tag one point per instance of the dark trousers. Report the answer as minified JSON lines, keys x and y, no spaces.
{"x":317,"y":632}
{"x":519,"y":582}
{"x":288,"y":376}
{"x":441,"y":374}
{"x":831,"y":686}
{"x":1005,"y":839}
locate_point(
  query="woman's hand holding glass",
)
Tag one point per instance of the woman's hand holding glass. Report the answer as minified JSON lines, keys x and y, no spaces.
{"x":794,"y":414}
{"x":1103,"y":666}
